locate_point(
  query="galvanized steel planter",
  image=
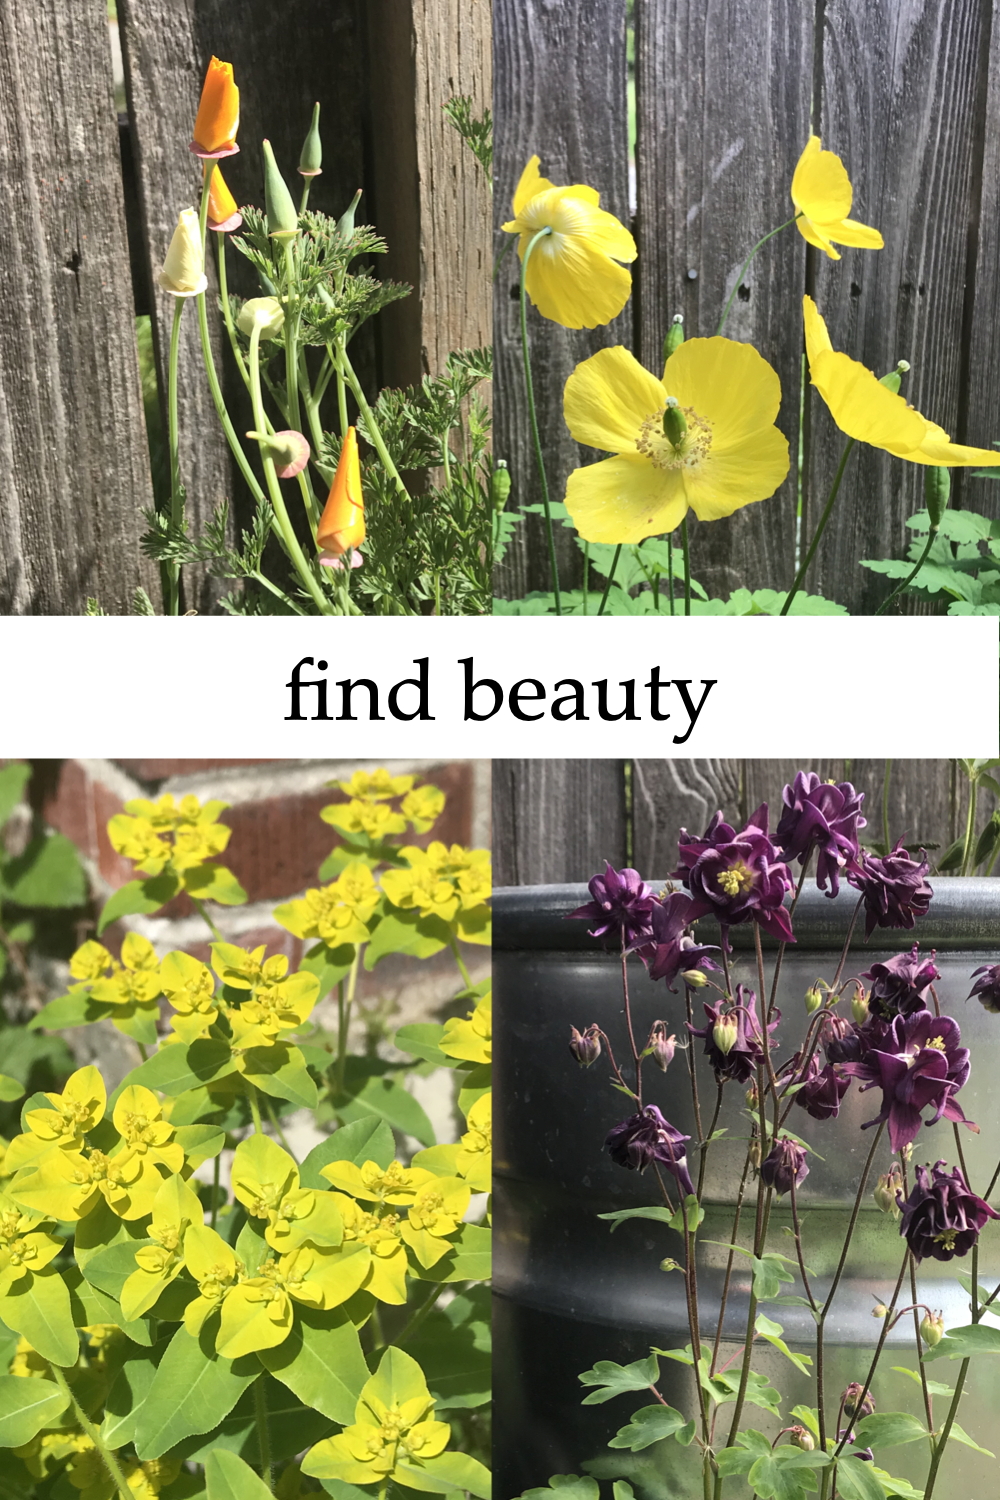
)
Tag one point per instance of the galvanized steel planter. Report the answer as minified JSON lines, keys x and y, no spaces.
{"x":569,"y":1292}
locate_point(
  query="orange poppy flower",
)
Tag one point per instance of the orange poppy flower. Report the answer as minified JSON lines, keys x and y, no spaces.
{"x":342,"y":524}
{"x":218,"y":113}
{"x":223,"y":214}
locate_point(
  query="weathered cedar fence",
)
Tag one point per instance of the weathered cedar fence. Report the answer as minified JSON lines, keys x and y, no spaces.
{"x":558,"y":821}
{"x":907,"y":92}
{"x":72,"y":435}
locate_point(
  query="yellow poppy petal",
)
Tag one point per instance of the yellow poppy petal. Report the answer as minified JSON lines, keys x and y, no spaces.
{"x":575,"y":285}
{"x":864,"y":408}
{"x":726,"y":382}
{"x":723,"y":482}
{"x":575,"y":210}
{"x":953,"y":455}
{"x":531,"y":182}
{"x":821,"y":187}
{"x":850,"y":232}
{"x":624,"y":499}
{"x":811,"y":236}
{"x":607,"y":397}
{"x":817,"y":337}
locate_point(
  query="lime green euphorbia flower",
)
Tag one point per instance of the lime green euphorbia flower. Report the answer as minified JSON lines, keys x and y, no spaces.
{"x":441,"y":882}
{"x":471,"y":1039}
{"x":175,"y":1209}
{"x":379,"y":1234}
{"x":393,"y":1436}
{"x":154,"y":835}
{"x":68,"y":1185}
{"x":24,"y":1245}
{"x":266,"y":1181}
{"x":435,"y":1213}
{"x":215,"y":1267}
{"x":376,"y":786}
{"x":374,"y":1184}
{"x":138,"y":1119}
{"x":471,"y":1158}
{"x":63,"y":1125}
{"x":337,"y":913}
{"x":133,"y":981}
{"x":190,"y":987}
{"x":278,"y":1001}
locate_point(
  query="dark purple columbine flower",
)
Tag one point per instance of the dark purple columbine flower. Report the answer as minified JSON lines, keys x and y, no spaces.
{"x":900,"y":986}
{"x":621,"y":907}
{"x":822,"y":1090}
{"x":847,"y":1041}
{"x":740,"y":1061}
{"x":669,"y":952}
{"x":818,"y":816}
{"x":942,"y":1216}
{"x":919,"y":1063}
{"x":786,"y":1163}
{"x":987,"y":989}
{"x":648,"y":1137}
{"x":738,"y":874}
{"x":895,"y":889}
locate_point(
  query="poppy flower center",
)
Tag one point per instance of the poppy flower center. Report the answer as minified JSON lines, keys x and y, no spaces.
{"x":653,"y":444}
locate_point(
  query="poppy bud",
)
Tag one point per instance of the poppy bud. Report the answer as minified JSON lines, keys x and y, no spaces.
{"x":218,"y":116}
{"x":674,"y":424}
{"x":585,"y":1046}
{"x":345,"y":224}
{"x":932,"y":1328}
{"x":937,"y":491}
{"x":223,"y":214}
{"x":850,"y":1401}
{"x":183,"y":273}
{"x":859,"y":1005}
{"x":813,"y":1000}
{"x":661,"y":1046}
{"x":342,"y":524}
{"x":282,"y":218}
{"x":886,"y":1190}
{"x":801,"y":1437}
{"x":288,"y":449}
{"x":311,"y":160}
{"x":266,"y":312}
{"x":694,"y":979}
{"x":675,"y":337}
{"x":500,"y":485}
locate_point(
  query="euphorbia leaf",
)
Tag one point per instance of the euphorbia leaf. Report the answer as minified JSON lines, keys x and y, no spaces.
{"x":194,"y":1388}
{"x":321,"y":1362}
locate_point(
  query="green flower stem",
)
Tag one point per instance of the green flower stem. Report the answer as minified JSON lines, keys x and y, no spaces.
{"x":902,"y":587}
{"x":94,"y":1433}
{"x":275,"y":1120}
{"x":263,"y":1431}
{"x":687,"y":565}
{"x":291,"y":331}
{"x":414,"y":1323}
{"x":746,"y":266}
{"x":251,"y":1089}
{"x":670,"y":569}
{"x":342,"y":404}
{"x":199,"y":907}
{"x":304,"y":200}
{"x":800,"y":575}
{"x":173,"y":438}
{"x":461,"y":966}
{"x":970,"y":826}
{"x":227,"y":312}
{"x":607,"y":586}
{"x":887,"y":1323}
{"x":142,"y":1052}
{"x":586,"y":573}
{"x":289,"y":539}
{"x":378,"y":442}
{"x":949,"y":1423}
{"x":533,"y":418}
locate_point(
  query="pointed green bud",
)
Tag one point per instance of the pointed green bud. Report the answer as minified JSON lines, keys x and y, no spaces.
{"x":814,"y":1000}
{"x":937,"y":492}
{"x":311,"y":160}
{"x":674,"y":425}
{"x":859,"y":1005}
{"x":345,"y":224}
{"x":675,"y":337}
{"x":694,"y":979}
{"x":282,"y":219}
{"x":500,"y":485}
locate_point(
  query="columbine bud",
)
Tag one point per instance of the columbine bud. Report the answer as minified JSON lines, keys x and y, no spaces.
{"x":886,"y":1189}
{"x":288,"y":449}
{"x":880,"y":1311}
{"x":937,"y":491}
{"x":859,"y":1005}
{"x":801,"y":1437}
{"x":282,"y":218}
{"x":725,"y":1034}
{"x":813,"y":999}
{"x":585,"y":1046}
{"x":345,"y":224}
{"x":674,"y":425}
{"x":694,"y":979}
{"x":932,"y":1328}
{"x":675,"y":337}
{"x":850,"y":1401}
{"x":661,"y":1046}
{"x":670,"y":1264}
{"x":752,"y":1097}
{"x":183,"y":273}
{"x":267,"y":312}
{"x":311,"y":160}
{"x":755,"y":1152}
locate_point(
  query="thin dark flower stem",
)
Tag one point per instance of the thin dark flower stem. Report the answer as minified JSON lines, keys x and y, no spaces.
{"x":614,"y":1066}
{"x":529,"y":389}
{"x":847,"y":943}
{"x":886,"y":782}
{"x":628,"y":1022}
{"x":691,"y":1298}
{"x":725,"y":961}
{"x":729,"y":1263}
{"x":821,"y":1321}
{"x":798,"y":1249}
{"x":928,"y":1402}
{"x":693,"y":1074}
{"x":764,"y":1018}
{"x":993,"y":1183}
{"x":883,"y":1335}
{"x":611,"y":579}
{"x":706,"y":1140}
{"x":745,"y":268}
{"x":905,"y":584}
{"x":949,"y":1422}
{"x":687,"y":565}
{"x":806,"y":561}
{"x":781,"y":948}
{"x":961,"y":1156}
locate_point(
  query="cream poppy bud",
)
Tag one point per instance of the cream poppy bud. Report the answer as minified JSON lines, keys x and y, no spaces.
{"x":267,"y":311}
{"x":183,"y":273}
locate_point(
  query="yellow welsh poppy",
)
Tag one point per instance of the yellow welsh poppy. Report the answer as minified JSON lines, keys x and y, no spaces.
{"x":822,"y":193}
{"x":573,"y":275}
{"x":869,"y":412}
{"x":724,"y":451}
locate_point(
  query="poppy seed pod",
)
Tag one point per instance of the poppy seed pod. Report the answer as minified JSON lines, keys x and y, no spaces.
{"x":345,"y":224}
{"x":183,"y":273}
{"x":342,"y":524}
{"x":311,"y":160}
{"x":937,"y":492}
{"x":265,"y":312}
{"x":282,"y":217}
{"x":674,"y":426}
{"x":218,"y":116}
{"x":675,"y":337}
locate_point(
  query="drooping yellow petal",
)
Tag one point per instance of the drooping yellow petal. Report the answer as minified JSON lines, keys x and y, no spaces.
{"x":606,"y":398}
{"x":817,"y":336}
{"x":531,"y":183}
{"x":952,"y":455}
{"x":822,"y":193}
{"x":739,"y":475}
{"x":625,"y":499}
{"x":727,"y":383}
{"x":850,"y":232}
{"x":864,"y":408}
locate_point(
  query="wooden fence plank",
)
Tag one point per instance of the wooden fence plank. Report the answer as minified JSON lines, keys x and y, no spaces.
{"x":722,"y":103}
{"x":899,"y":105}
{"x":285,"y":57}
{"x":77,"y":470}
{"x":979,"y":413}
{"x":560,"y":92}
{"x":557,"y":820}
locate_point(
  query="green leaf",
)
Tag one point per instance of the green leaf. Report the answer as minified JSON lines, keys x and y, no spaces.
{"x":724,"y":1386}
{"x":695,"y":1214}
{"x":38,"y":1307}
{"x":281,"y":1072}
{"x":383,"y":1097}
{"x":409,"y":933}
{"x":367,"y":1139}
{"x":47,"y":874}
{"x":772,"y":1332}
{"x":330,"y":965}
{"x":615,"y":1380}
{"x":321,"y":1362}
{"x":200,"y":1143}
{"x":856,"y":1481}
{"x":26,"y":1406}
{"x":214,"y":883}
{"x":129,"y":1390}
{"x":227,"y":1477}
{"x":900,"y":1487}
{"x":292,"y":1427}
{"x":471,"y":1259}
{"x":10,"y":1090}
{"x":768,"y":1274}
{"x":109,"y":1269}
{"x":193,"y":1389}
{"x":13,"y":780}
{"x":138,"y":897}
{"x":961,"y":1436}
{"x":648,"y":1425}
{"x":174,"y":1069}
{"x":960,"y":1343}
{"x":449,"y":1470}
{"x":622,"y":1490}
{"x":887,"y":1429}
{"x":67,"y":1011}
{"x":89,"y":1305}
{"x":934,"y":1386}
{"x":782,"y":1475}
{"x":659,"y":1214}
{"x":421,"y":1040}
{"x":454,"y":1352}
